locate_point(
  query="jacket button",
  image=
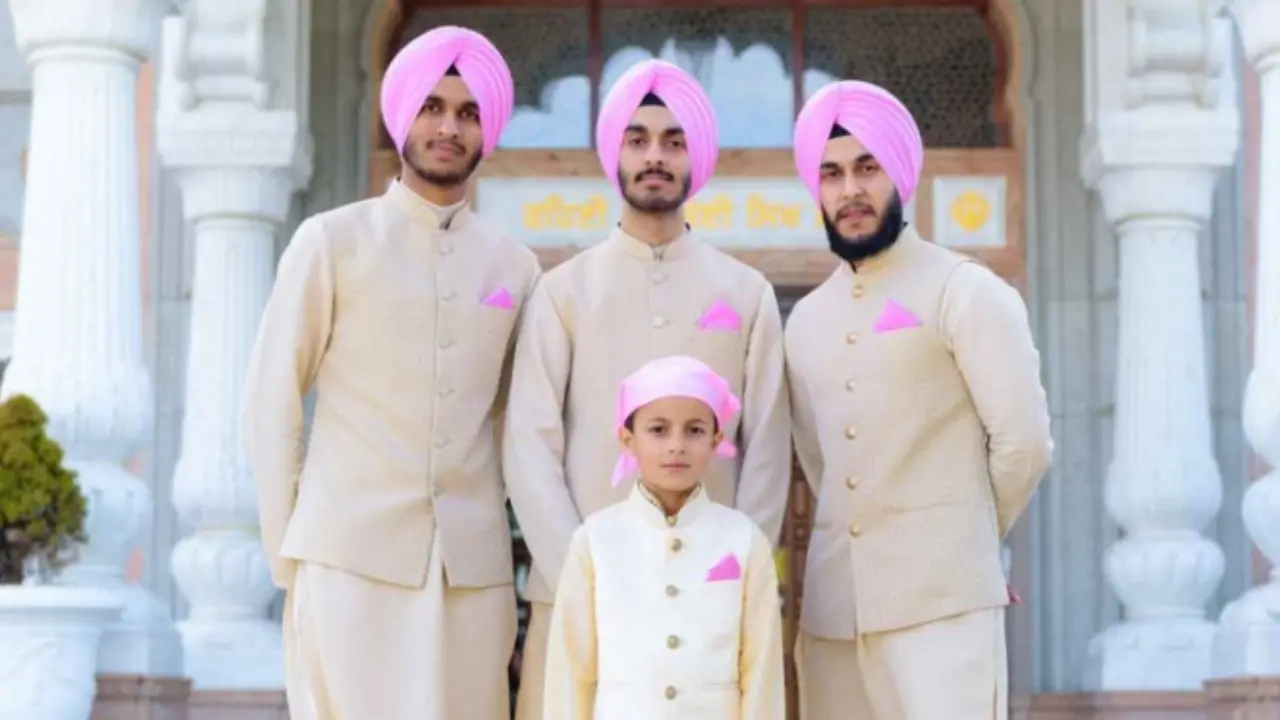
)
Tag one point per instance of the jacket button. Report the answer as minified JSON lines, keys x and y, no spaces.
{"x":676,"y":544}
{"x":859,"y":291}
{"x":672,"y":591}
{"x":856,"y":530}
{"x":851,"y":432}
{"x":852,"y":482}
{"x":851,"y":385}
{"x":851,"y":338}
{"x":671,"y":692}
{"x":673,"y":642}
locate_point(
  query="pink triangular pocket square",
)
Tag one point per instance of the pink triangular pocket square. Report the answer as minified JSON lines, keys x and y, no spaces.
{"x":895,"y":317}
{"x":720,"y":316}
{"x":500,"y":299}
{"x":727,"y":569}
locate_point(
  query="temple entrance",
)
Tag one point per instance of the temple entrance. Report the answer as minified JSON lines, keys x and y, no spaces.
{"x":949,"y":60}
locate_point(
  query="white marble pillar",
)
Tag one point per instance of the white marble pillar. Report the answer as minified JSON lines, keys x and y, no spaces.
{"x":1248,"y":641}
{"x":1159,"y":133}
{"x":78,"y":330}
{"x":233,"y":132}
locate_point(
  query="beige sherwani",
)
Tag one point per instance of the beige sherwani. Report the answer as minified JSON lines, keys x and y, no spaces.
{"x":923,"y":429}
{"x":673,"y":618}
{"x":391,"y":536}
{"x":591,"y":322}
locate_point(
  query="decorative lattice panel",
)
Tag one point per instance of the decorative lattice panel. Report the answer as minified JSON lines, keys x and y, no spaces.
{"x":940,"y":61}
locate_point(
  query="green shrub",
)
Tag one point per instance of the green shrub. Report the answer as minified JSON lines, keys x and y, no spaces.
{"x":42,"y":510}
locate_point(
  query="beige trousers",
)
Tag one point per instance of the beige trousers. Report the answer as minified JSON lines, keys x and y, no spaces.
{"x":953,"y":669}
{"x":359,"y":649}
{"x":533,"y":663}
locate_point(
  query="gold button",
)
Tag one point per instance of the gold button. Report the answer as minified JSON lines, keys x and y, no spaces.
{"x":672,"y":591}
{"x":856,"y":530}
{"x":852,"y":482}
{"x":851,"y":338}
{"x":851,"y":432}
{"x":671,"y":693}
{"x":659,"y":321}
{"x":859,"y":291}
{"x":673,"y":642}
{"x":851,"y":385}
{"x":671,"y":520}
{"x":676,"y":544}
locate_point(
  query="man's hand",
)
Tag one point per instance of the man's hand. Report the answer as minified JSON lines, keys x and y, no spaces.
{"x":1014,"y":599}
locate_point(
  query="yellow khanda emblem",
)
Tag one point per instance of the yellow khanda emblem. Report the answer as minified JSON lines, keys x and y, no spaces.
{"x":780,"y":565}
{"x":970,"y":211}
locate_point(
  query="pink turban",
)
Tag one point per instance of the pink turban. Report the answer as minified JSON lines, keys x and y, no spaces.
{"x":416,"y":70}
{"x":872,"y":115}
{"x":686,"y":99}
{"x":675,"y":376}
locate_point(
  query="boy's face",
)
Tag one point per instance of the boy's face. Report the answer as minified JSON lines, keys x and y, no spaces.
{"x":674,"y":439}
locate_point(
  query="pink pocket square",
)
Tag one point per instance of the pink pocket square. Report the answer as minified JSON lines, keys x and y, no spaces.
{"x":727,"y":569}
{"x":720,"y":316}
{"x":500,"y":299}
{"x":895,"y":317}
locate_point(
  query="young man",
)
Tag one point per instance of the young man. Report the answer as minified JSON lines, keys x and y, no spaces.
{"x":391,"y":535}
{"x":921,"y":426}
{"x":648,"y":291}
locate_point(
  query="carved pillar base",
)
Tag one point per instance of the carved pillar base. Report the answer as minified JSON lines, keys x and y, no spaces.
{"x":1250,"y":698}
{"x":1110,"y":706}
{"x":138,"y":697}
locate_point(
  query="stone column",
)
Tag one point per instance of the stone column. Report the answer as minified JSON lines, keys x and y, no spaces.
{"x":232,"y":128}
{"x":1159,"y":133}
{"x":78,"y":328}
{"x":1248,"y":640}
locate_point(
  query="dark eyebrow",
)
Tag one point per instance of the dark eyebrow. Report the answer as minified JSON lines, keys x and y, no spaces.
{"x":642,"y":130}
{"x":865,"y":157}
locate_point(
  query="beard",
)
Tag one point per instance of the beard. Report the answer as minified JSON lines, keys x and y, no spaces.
{"x":448,"y":179}
{"x":861,"y":247}
{"x":654,"y":205}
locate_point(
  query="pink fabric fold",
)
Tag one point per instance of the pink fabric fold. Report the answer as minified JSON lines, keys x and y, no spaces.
{"x":895,"y":317}
{"x":416,"y":70}
{"x":720,"y":316}
{"x":674,"y":376}
{"x":500,"y":298}
{"x":872,"y":115}
{"x":727,"y":568}
{"x":682,"y":94}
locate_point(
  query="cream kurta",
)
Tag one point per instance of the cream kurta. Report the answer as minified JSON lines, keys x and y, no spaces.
{"x":674,"y":618}
{"x":403,"y":327}
{"x":591,"y":322}
{"x":923,"y":429}
{"x":594,"y":320}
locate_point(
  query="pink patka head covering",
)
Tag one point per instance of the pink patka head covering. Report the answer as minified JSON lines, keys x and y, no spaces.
{"x":675,"y":376}
{"x":686,"y":99}
{"x":416,"y":70}
{"x":872,"y":115}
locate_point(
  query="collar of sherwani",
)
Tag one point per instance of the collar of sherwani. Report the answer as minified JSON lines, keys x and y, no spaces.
{"x":886,"y":261}
{"x":655,"y":516}
{"x":425,"y":213}
{"x":675,"y":250}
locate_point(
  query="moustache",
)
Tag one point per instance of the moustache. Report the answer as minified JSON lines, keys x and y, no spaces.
{"x":456,"y":147}
{"x":854,"y":207}
{"x":660,"y":174}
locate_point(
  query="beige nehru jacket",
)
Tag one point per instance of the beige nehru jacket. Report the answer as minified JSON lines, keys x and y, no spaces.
{"x":404,"y":329}
{"x":923,"y":429}
{"x":594,"y":320}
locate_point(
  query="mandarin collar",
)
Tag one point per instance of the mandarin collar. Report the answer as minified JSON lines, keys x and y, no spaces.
{"x":426,"y":213}
{"x":677,"y":249}
{"x":651,"y":510}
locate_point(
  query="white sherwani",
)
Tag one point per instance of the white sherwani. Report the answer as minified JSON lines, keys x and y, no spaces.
{"x":666,"y":618}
